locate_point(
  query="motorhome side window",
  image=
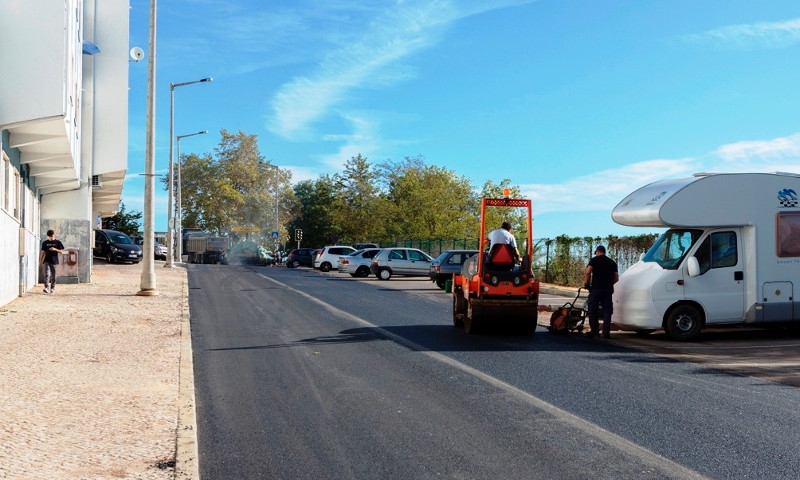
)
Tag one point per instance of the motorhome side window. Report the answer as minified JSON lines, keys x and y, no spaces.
{"x":718,"y":250}
{"x":671,"y":247}
{"x":788,"y":234}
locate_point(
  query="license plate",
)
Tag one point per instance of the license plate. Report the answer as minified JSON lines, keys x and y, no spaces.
{"x":132,"y":255}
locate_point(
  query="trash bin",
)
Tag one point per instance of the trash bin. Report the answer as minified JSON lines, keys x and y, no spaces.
{"x":448,"y":285}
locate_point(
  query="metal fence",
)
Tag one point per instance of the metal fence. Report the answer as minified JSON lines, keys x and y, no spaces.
{"x":560,"y":260}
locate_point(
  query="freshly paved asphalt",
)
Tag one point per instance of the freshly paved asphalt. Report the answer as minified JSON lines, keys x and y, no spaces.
{"x":302,"y":375}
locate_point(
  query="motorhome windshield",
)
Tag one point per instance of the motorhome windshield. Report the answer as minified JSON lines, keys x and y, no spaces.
{"x":671,"y":247}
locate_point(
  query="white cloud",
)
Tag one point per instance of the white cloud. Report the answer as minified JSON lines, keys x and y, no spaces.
{"x":601,"y":191}
{"x":754,"y":154}
{"x":751,"y":36}
{"x":363,"y":140}
{"x":371,"y":59}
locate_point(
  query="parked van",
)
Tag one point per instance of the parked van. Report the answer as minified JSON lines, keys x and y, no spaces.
{"x":115,"y":246}
{"x":731,"y":254}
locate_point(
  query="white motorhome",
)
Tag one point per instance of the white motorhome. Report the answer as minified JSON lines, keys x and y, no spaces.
{"x":731,"y":254}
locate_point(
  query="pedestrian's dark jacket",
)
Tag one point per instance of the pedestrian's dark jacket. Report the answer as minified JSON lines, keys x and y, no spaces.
{"x":51,"y":257}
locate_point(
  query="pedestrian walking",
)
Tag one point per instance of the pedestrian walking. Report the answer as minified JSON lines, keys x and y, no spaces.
{"x":49,"y":259}
{"x":601,"y":275}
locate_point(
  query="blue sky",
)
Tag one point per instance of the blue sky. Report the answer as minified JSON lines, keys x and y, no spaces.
{"x":579,"y":102}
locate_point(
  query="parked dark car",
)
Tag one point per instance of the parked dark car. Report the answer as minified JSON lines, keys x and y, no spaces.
{"x":300,"y":257}
{"x":448,"y":263}
{"x":115,"y":246}
{"x":362,"y":246}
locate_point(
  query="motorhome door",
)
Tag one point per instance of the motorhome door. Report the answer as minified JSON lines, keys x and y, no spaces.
{"x":720,"y":286}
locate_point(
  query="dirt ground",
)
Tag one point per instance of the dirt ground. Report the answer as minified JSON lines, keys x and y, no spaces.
{"x":89,"y":378}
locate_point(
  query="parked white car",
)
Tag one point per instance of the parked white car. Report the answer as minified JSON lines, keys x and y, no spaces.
{"x":328,"y":257}
{"x":357,"y":263}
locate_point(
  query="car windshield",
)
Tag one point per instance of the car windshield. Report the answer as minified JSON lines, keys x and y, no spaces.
{"x":117,"y":237}
{"x":671,"y":247}
{"x":356,"y":253}
{"x":442,"y":257}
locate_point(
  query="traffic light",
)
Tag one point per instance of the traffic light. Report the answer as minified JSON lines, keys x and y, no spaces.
{"x":298,"y":234}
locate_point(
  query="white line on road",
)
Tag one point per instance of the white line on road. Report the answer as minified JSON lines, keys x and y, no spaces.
{"x":643,"y":454}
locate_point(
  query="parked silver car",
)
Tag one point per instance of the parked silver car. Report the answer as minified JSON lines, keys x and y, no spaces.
{"x":400,"y":261}
{"x":357,"y":263}
{"x":159,"y":251}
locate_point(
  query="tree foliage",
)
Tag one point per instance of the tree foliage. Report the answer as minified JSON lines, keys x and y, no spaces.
{"x":406,"y":202}
{"x":123,"y":221}
{"x":423,"y":201}
{"x":236,"y":187}
{"x":357,"y":200}
{"x":315,"y":212}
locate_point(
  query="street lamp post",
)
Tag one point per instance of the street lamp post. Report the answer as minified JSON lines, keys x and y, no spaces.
{"x":179,"y":222}
{"x":170,"y":209}
{"x":147,"y":282}
{"x":277,"y":185}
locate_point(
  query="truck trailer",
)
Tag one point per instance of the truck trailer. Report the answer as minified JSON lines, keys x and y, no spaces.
{"x":730,"y":256}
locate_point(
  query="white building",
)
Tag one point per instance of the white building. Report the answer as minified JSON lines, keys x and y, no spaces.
{"x":63,"y":128}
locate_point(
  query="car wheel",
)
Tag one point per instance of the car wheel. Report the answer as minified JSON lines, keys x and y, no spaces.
{"x":325,"y":267}
{"x":109,"y":257}
{"x":684,"y":322}
{"x":362,"y":272}
{"x":295,"y":263}
{"x":440,"y":282}
{"x":384,"y":274}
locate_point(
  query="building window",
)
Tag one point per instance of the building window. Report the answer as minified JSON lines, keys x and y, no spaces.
{"x":17,"y":195}
{"x":5,"y":179}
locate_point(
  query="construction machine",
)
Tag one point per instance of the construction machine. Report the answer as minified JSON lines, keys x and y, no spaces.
{"x":495,"y":286}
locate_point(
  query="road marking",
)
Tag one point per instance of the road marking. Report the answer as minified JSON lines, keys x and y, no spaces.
{"x":620,"y":443}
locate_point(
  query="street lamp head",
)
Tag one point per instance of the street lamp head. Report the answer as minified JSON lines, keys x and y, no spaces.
{"x":191,"y":134}
{"x":181,"y":84}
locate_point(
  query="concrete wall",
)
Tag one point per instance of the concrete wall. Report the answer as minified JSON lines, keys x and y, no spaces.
{"x":9,"y":261}
{"x":74,"y":234}
{"x":18,"y":273}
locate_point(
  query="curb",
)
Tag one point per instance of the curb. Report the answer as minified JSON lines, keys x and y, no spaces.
{"x":186,"y":451}
{"x":551,"y":289}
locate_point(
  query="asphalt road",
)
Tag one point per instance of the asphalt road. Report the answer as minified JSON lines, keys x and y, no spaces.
{"x":302,"y":375}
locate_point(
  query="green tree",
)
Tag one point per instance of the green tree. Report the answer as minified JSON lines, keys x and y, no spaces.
{"x":314,"y":211}
{"x":236,"y":187}
{"x":495,"y":216}
{"x":122,"y":221}
{"x":423,"y":202}
{"x":208,"y":200}
{"x":357,"y":200}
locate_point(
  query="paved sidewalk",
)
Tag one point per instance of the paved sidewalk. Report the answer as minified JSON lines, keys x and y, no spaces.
{"x":96,"y":382}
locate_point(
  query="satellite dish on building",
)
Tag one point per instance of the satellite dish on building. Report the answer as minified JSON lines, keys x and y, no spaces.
{"x":137,"y":54}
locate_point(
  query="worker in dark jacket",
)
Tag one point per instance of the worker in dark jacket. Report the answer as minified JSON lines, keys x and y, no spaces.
{"x":601,"y":275}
